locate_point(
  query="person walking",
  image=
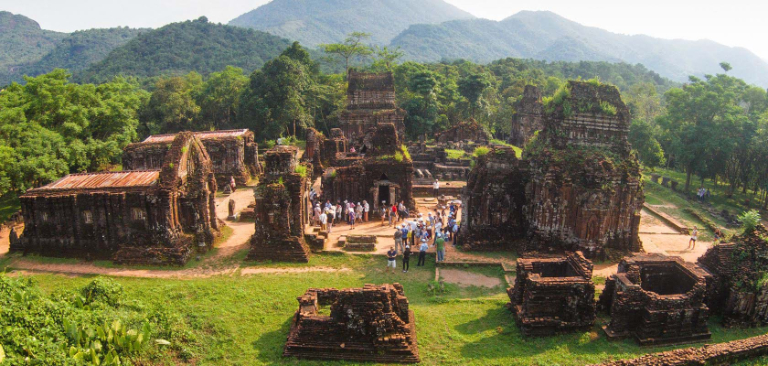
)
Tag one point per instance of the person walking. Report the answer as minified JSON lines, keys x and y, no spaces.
{"x":398,"y":239}
{"x":403,"y":235}
{"x":393,"y":215}
{"x":316,"y":217}
{"x":331,"y":216}
{"x":383,"y":213}
{"x":422,"y":253}
{"x":440,"y":247}
{"x":407,"y":259}
{"x":694,"y":236}
{"x":366,"y":209}
{"x":436,"y":188}
{"x":232,"y":183}
{"x":391,"y":260}
{"x":352,"y":218}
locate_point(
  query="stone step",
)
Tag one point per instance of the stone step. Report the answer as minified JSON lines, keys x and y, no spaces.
{"x":510,"y":280}
{"x":508,"y":267}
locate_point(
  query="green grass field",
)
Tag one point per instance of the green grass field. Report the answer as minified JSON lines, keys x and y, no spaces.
{"x":244,"y":320}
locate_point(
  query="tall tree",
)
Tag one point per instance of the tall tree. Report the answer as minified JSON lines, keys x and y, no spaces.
{"x":219,"y":99}
{"x":472,"y":87}
{"x":352,"y":47}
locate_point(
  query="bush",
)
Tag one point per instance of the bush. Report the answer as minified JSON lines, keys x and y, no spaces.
{"x":103,"y":290}
{"x":455,"y":154}
{"x":481,"y":151}
{"x":301,"y":170}
{"x":406,"y":154}
{"x":749,"y":220}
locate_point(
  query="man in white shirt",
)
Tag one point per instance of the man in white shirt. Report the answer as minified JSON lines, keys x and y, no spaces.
{"x":323,"y":221}
{"x":436,"y":188}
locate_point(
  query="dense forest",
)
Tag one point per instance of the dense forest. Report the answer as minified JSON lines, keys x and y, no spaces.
{"x":715,"y":127}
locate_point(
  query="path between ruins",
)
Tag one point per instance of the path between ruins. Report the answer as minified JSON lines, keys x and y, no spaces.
{"x":237,"y":241}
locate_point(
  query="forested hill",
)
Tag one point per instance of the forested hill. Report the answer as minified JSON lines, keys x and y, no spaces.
{"x":179,"y":48}
{"x":81,"y":49}
{"x":22,"y":42}
{"x":547,"y":36}
{"x":314,"y":22}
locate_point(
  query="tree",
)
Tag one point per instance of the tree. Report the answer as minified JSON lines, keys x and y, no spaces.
{"x":352,"y":47}
{"x":726,"y":66}
{"x":386,"y":59}
{"x":472,"y":87}
{"x":219,"y":99}
{"x":173,"y":106}
{"x":642,"y":136}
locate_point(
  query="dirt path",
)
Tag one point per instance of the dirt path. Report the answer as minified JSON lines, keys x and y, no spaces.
{"x":466,"y":279}
{"x":237,"y":241}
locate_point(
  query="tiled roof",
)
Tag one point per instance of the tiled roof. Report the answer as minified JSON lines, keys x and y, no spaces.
{"x":201,"y":135}
{"x":95,"y":181}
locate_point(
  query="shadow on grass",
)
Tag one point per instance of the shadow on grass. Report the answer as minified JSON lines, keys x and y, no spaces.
{"x":269,"y":346}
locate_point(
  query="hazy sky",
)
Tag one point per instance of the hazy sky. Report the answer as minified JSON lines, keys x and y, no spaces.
{"x":733,"y":23}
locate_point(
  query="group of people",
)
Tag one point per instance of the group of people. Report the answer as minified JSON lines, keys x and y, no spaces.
{"x":703,"y":194}
{"x":423,"y":233}
{"x":328,"y":214}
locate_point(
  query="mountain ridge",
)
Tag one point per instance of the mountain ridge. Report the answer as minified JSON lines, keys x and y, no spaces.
{"x":314,"y":22}
{"x":545,"y":35}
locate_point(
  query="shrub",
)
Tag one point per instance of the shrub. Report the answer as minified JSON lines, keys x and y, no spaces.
{"x":103,"y":290}
{"x":749,"y":220}
{"x":455,"y":154}
{"x":399,"y":157}
{"x":301,"y":170}
{"x":608,"y":108}
{"x":481,"y":151}
{"x":406,"y":154}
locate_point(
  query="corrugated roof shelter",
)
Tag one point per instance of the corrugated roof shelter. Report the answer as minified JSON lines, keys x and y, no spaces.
{"x":156,"y":216}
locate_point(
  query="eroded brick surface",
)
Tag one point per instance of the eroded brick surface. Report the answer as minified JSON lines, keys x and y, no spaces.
{"x":152,"y":216}
{"x":657,"y":300}
{"x":553,"y":295}
{"x":373,"y":323}
{"x":281,"y":209}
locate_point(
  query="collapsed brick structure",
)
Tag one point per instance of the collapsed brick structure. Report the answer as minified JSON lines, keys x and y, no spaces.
{"x":657,"y":300}
{"x":144,"y":216}
{"x":727,"y":353}
{"x":467,"y":130}
{"x":577,"y":187}
{"x":233,"y":153}
{"x":372,"y":323}
{"x":738,"y":289}
{"x":553,"y":295}
{"x":281,"y":208}
{"x":370,"y":103}
{"x":528,"y":118}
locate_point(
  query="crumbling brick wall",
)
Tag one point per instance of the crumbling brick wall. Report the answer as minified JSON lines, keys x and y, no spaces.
{"x":153,"y":216}
{"x":657,"y":300}
{"x":576,"y":188}
{"x":281,"y":209}
{"x":467,"y":130}
{"x":737,"y":268}
{"x":370,"y":102}
{"x":727,"y":353}
{"x":373,"y":323}
{"x":528,"y":118}
{"x":553,"y":295}
{"x":234,"y":154}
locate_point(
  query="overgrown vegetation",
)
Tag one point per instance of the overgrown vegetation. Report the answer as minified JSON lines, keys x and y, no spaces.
{"x":301,"y":170}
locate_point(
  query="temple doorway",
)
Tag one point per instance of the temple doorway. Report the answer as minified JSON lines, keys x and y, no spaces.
{"x":384,"y":195}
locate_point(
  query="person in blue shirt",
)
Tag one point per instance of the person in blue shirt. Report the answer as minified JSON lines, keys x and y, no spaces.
{"x":391,"y":260}
{"x":422,"y":252}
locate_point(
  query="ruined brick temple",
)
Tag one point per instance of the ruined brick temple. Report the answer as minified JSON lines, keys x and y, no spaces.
{"x":553,"y":295}
{"x":142,"y":216}
{"x":528,"y":118}
{"x":465,"y":131}
{"x":657,"y":300}
{"x":233,"y":153}
{"x":370,"y":102}
{"x":373,"y":323}
{"x":738,"y":290}
{"x":380,"y":169}
{"x":576,"y":188}
{"x":281,"y":209}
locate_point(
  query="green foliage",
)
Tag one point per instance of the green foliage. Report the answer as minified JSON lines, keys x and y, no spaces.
{"x":608,"y":108}
{"x":643,"y":137}
{"x":353,"y":47}
{"x":22,"y":42}
{"x":180,"y":48}
{"x":749,"y":220}
{"x":481,"y":151}
{"x":559,"y":99}
{"x":455,"y":154}
{"x":406,"y":154}
{"x":301,"y":170}
{"x":84,"y":326}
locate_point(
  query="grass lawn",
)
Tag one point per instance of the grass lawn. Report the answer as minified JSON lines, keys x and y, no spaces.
{"x":244,"y":320}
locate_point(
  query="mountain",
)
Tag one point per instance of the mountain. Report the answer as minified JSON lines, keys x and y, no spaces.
{"x":179,"y":48}
{"x":547,"y":36}
{"x":23,"y":42}
{"x":313,"y":22}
